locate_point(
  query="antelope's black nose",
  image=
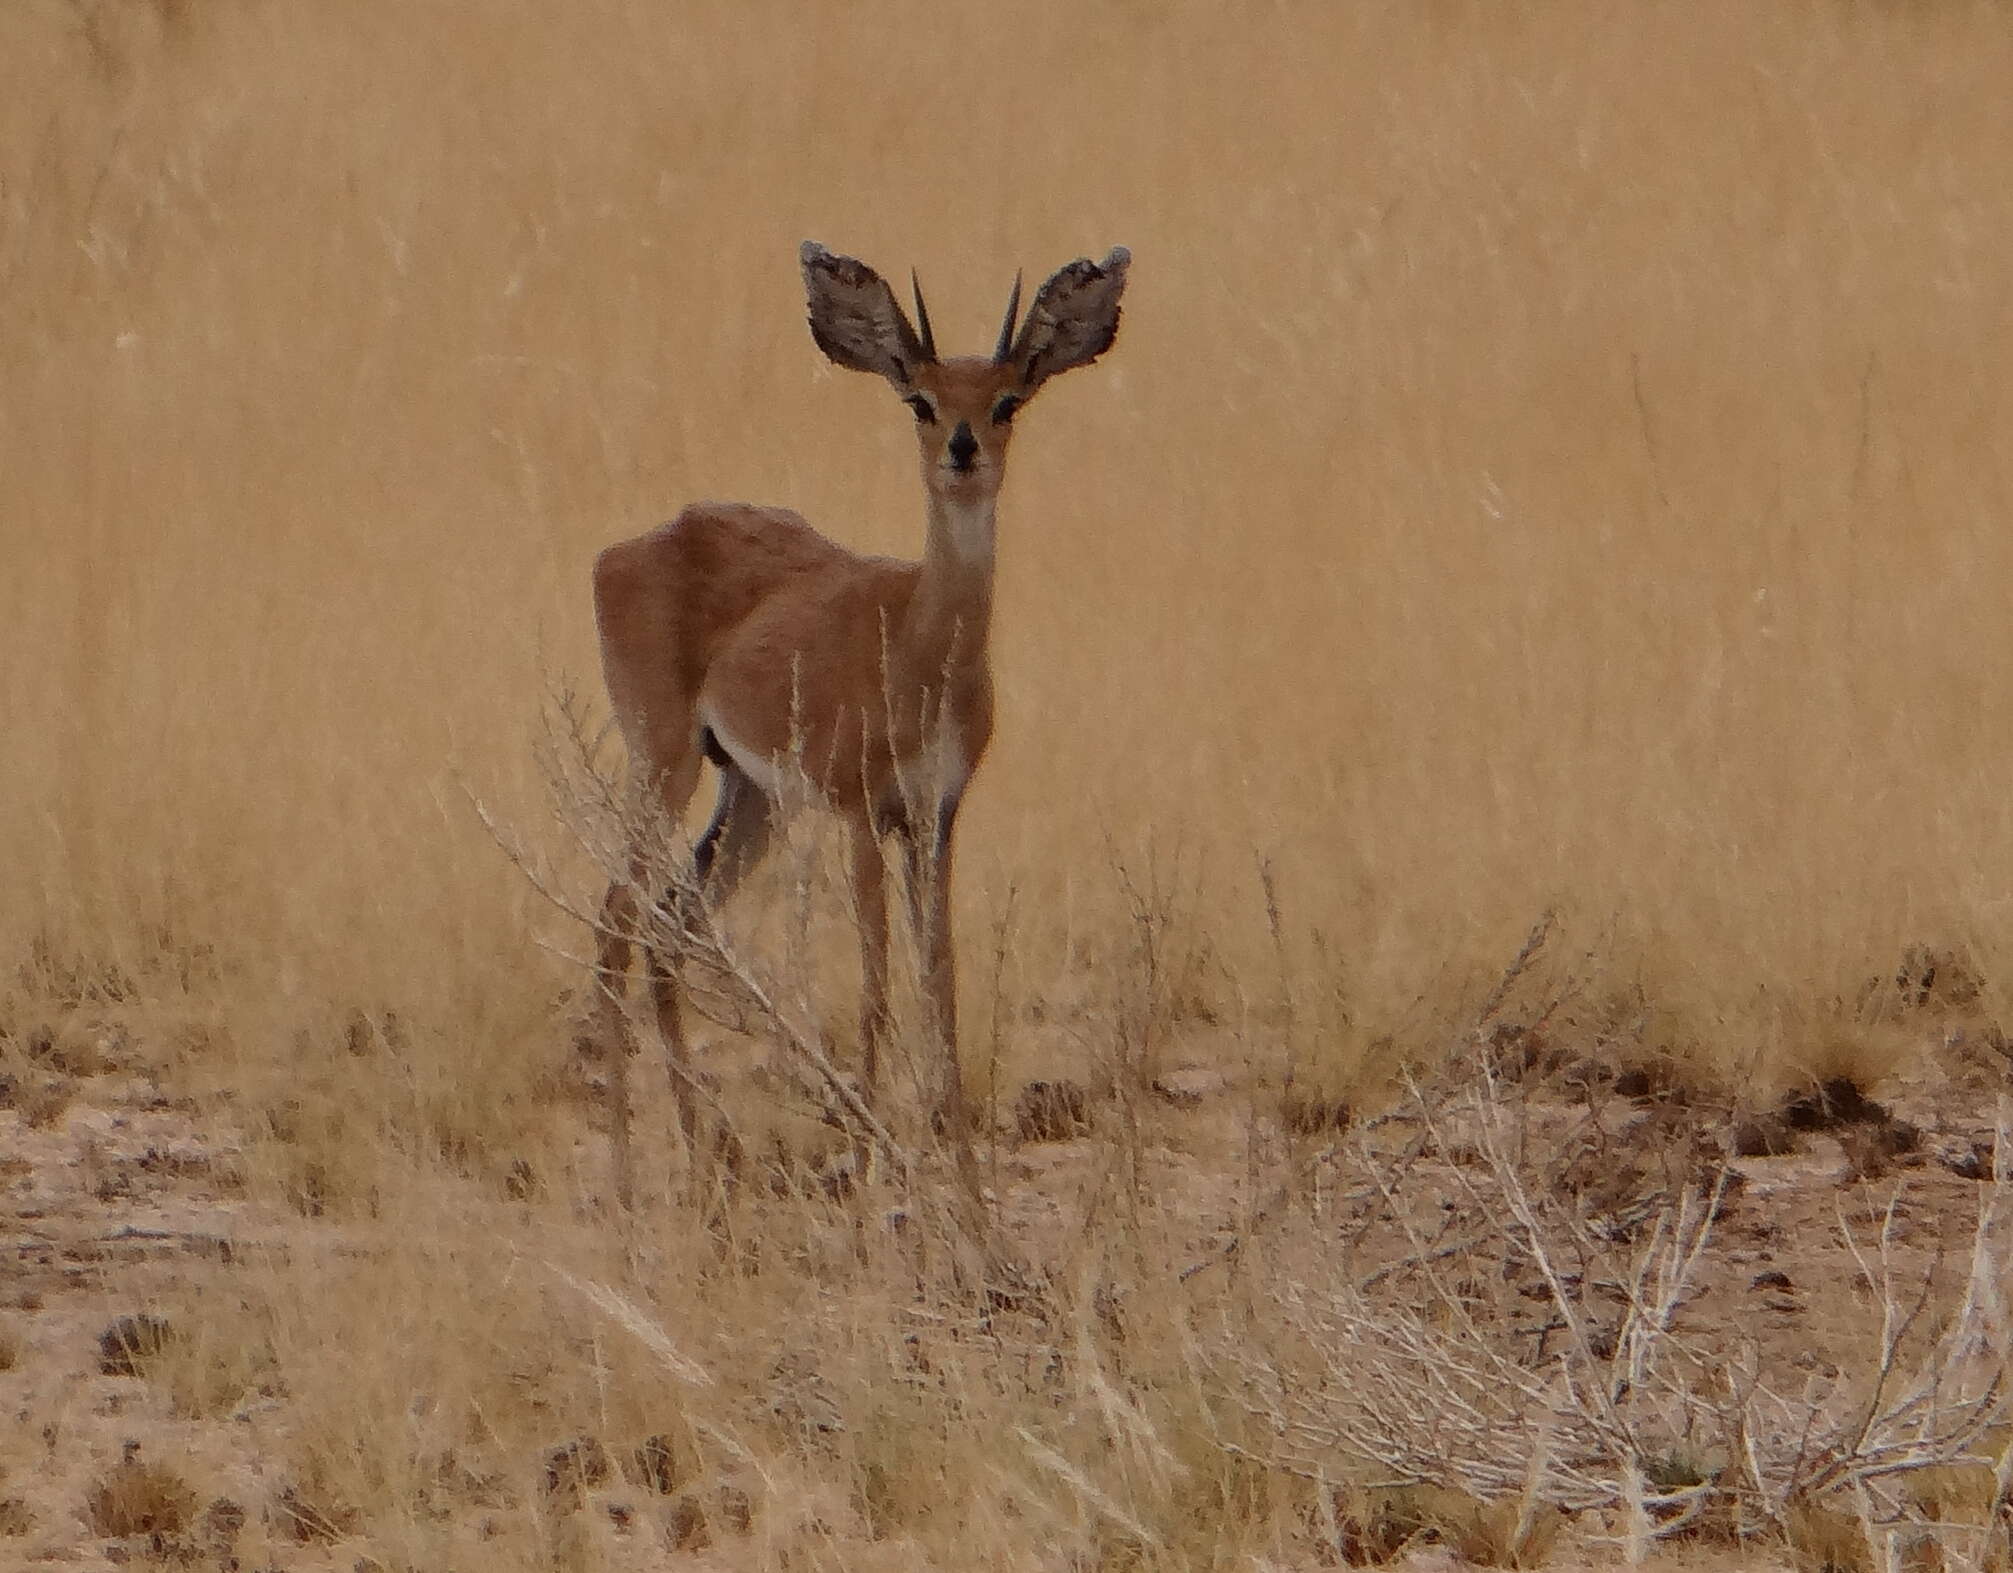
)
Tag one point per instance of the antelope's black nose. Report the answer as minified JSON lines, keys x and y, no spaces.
{"x":964,"y":446}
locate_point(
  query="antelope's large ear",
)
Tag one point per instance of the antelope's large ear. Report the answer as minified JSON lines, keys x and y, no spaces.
{"x":1073,"y":319}
{"x":856,"y":319}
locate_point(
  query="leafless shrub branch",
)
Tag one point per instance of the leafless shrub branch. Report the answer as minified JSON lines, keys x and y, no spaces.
{"x":1521,"y":1339}
{"x":629,"y":846}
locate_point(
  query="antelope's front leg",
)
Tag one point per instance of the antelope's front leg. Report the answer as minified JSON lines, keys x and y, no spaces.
{"x":929,"y":882}
{"x":662,"y":967}
{"x":871,"y":912}
{"x":609,"y":1032}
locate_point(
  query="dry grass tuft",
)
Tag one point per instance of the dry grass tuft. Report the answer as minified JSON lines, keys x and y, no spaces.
{"x":139,"y":1498}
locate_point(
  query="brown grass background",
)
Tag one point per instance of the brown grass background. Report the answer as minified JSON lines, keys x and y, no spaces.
{"x":1555,"y":457}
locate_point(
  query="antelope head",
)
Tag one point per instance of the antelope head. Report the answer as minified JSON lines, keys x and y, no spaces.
{"x":964,"y":407}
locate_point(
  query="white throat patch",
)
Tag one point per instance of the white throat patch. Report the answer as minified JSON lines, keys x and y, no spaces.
{"x":970,"y":526}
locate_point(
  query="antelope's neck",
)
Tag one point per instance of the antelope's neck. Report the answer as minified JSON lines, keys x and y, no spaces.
{"x":950,"y":616}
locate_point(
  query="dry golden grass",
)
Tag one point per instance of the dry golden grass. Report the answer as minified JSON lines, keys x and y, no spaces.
{"x":1549,"y":461}
{"x":1555,"y":459}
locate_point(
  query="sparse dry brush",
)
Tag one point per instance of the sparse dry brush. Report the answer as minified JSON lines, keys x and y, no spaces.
{"x":1537,"y":1333}
{"x":1559,"y":463}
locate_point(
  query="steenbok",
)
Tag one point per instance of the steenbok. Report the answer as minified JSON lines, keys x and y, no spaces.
{"x":804,"y":671}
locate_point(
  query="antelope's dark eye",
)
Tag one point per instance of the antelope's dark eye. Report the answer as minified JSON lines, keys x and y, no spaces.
{"x":925,"y":411}
{"x":1003,"y":410}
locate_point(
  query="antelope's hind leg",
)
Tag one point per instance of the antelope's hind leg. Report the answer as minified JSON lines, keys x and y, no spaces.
{"x":730,"y":846}
{"x":609,"y":1033}
{"x":737,"y":836}
{"x":636,"y":610}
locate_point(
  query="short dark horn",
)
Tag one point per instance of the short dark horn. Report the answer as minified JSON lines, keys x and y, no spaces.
{"x":1005,"y":347}
{"x":923,"y":317}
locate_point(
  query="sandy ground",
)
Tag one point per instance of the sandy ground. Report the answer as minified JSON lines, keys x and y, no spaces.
{"x":113,"y":1201}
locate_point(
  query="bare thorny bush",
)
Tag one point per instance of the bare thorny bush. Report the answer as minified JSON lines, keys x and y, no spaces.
{"x":1513,"y":1327}
{"x":626,"y":842}
{"x":1486,"y":1289}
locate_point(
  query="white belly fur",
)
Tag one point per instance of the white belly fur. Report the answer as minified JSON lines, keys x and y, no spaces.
{"x":764,"y":771}
{"x":934,"y":775}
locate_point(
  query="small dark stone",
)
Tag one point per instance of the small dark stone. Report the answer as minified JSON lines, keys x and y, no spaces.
{"x":737,"y":1509}
{"x":686,"y":1527}
{"x":1052,"y":1111}
{"x":1517,"y":1050}
{"x":1306,"y":1115}
{"x":1013,"y":1290}
{"x":1933,"y":977}
{"x":1760,"y":1136}
{"x":520,"y":1184}
{"x":1833,"y":1102}
{"x":365,"y":1034}
{"x":654,"y":1464}
{"x":1871,"y":1150}
{"x":1658,"y":1079}
{"x":1170,"y":1090}
{"x":1732,"y":1185}
{"x":126,"y":1347}
{"x":1772,"y":1280}
{"x":223,"y":1520}
{"x":571,"y":1468}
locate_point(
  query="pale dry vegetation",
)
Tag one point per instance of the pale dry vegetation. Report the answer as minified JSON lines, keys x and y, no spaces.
{"x":1556,"y":461}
